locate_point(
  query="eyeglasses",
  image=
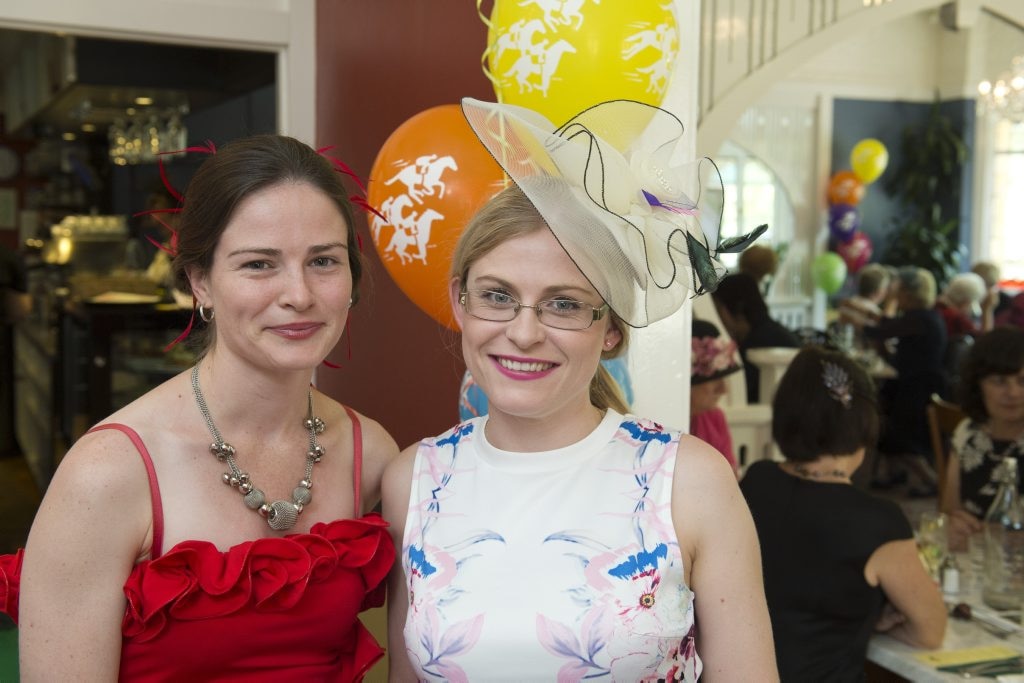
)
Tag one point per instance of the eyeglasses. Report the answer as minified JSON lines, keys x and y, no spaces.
{"x":561,"y":314}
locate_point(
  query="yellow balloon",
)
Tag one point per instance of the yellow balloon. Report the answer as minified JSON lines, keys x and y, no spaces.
{"x":868,"y":160}
{"x":561,"y":57}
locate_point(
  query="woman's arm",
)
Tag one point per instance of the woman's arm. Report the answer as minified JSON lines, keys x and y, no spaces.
{"x":896,"y":567}
{"x":718,"y":541}
{"x":961,"y":523}
{"x":93,"y":525}
{"x":396,"y":487}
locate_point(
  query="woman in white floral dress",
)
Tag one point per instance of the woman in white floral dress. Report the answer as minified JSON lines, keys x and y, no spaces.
{"x":559,"y":537}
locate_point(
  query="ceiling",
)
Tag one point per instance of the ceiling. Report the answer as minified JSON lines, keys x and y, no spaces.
{"x":96,"y":81}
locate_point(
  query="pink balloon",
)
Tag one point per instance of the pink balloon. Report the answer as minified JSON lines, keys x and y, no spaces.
{"x":857,"y":252}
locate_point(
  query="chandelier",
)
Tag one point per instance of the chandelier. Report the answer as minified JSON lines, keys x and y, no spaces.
{"x":1005,"y":97}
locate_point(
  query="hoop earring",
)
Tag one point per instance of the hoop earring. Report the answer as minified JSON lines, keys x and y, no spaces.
{"x":202,"y":314}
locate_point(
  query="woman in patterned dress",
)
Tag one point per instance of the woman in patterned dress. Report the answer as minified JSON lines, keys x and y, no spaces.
{"x":560,"y":537}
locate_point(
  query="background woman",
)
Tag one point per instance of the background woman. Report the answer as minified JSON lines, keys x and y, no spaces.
{"x":838,"y":562}
{"x":141,"y":563}
{"x":992,"y":397}
{"x":920,"y":338}
{"x":745,"y":316}
{"x":557,"y":538}
{"x":712,"y":359}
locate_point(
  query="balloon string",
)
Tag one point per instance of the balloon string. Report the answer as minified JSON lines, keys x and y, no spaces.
{"x":488,"y":52}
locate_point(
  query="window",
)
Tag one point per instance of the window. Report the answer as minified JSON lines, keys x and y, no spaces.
{"x":1005,"y":243}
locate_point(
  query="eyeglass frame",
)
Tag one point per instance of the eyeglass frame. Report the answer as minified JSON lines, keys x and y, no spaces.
{"x":597,"y":312}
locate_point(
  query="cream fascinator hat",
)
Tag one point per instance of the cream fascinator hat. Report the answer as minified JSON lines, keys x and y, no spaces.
{"x":605,"y":185}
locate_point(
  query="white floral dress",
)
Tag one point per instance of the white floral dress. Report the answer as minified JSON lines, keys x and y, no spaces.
{"x":560,"y":565}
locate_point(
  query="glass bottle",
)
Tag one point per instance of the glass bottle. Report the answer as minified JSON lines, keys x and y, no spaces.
{"x":1003,"y":584}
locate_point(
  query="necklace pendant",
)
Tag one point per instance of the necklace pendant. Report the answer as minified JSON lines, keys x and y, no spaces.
{"x":282,"y":515}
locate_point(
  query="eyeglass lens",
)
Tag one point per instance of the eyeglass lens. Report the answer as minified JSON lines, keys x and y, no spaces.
{"x":564,"y":314}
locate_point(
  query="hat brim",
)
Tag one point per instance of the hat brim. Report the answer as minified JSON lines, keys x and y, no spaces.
{"x":704,"y":379}
{"x":605,"y":185}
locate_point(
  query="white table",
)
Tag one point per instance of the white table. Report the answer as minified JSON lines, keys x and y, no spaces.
{"x":891,"y":654}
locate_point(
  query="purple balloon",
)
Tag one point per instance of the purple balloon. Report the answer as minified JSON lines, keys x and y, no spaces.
{"x":843,"y":221}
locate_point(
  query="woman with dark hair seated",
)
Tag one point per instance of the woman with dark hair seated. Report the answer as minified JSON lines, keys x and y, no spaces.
{"x":839,"y":563}
{"x":744,"y":314}
{"x":992,"y":397}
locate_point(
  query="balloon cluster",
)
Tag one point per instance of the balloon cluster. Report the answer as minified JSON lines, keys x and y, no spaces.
{"x":853,"y":248}
{"x":557,"y":58}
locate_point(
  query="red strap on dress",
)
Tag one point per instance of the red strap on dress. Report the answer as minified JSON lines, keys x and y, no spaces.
{"x":154,"y":487}
{"x":357,"y":459}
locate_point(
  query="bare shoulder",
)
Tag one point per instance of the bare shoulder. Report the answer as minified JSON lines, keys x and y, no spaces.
{"x":701,"y":471}
{"x":103,"y":461}
{"x":706,"y":499}
{"x":396,"y":489}
{"x":101,"y":477}
{"x":398,"y":475}
{"x":378,"y":444}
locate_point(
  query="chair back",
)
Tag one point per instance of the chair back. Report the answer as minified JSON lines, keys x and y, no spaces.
{"x":943,"y":417}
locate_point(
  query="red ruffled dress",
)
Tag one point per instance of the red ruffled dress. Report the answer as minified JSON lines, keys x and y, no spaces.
{"x":265,"y":610}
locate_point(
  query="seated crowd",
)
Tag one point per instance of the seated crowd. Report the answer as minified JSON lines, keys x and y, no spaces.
{"x":840,"y":562}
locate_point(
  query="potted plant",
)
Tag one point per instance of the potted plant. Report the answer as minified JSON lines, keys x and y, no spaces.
{"x":927,"y":185}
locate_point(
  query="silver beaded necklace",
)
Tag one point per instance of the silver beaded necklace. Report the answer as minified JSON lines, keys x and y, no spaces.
{"x":281,"y":514}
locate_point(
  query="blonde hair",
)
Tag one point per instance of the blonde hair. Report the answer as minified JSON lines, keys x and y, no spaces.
{"x":918,"y":285}
{"x":509,"y":214}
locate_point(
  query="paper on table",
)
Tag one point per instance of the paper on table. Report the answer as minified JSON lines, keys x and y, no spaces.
{"x":968,"y":655}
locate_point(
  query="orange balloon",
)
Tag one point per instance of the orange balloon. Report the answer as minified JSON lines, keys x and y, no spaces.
{"x":429,"y":178}
{"x":845,"y":188}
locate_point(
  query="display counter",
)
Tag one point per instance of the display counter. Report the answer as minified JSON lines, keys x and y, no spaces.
{"x":97,"y":358}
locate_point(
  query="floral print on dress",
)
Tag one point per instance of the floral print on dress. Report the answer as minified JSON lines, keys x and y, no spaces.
{"x":632,"y":591}
{"x":430,"y":573}
{"x":624,"y":611}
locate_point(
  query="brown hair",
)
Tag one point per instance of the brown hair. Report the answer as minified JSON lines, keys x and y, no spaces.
{"x":809,"y":420}
{"x":237,"y":171}
{"x":509,"y":214}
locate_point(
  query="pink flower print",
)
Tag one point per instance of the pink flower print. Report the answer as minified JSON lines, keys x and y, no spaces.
{"x":682,"y":662}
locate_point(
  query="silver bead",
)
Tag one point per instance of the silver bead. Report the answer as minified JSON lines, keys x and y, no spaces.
{"x":320,"y":450}
{"x":301,"y":495}
{"x":264,"y":509}
{"x":282,"y":515}
{"x":319,"y":425}
{"x":226,"y":478}
{"x":254,"y":499}
{"x":245,"y":486}
{"x":243,"y":477}
{"x":306,"y":484}
{"x":233,"y":480}
{"x":298,"y":508}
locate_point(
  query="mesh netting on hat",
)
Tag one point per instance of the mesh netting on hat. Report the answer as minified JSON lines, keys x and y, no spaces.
{"x":605,"y":185}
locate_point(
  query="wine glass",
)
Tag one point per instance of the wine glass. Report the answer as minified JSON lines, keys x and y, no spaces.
{"x":932,"y":544}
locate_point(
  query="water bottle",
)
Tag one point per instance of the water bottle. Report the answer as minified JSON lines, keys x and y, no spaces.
{"x":1003,"y":583}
